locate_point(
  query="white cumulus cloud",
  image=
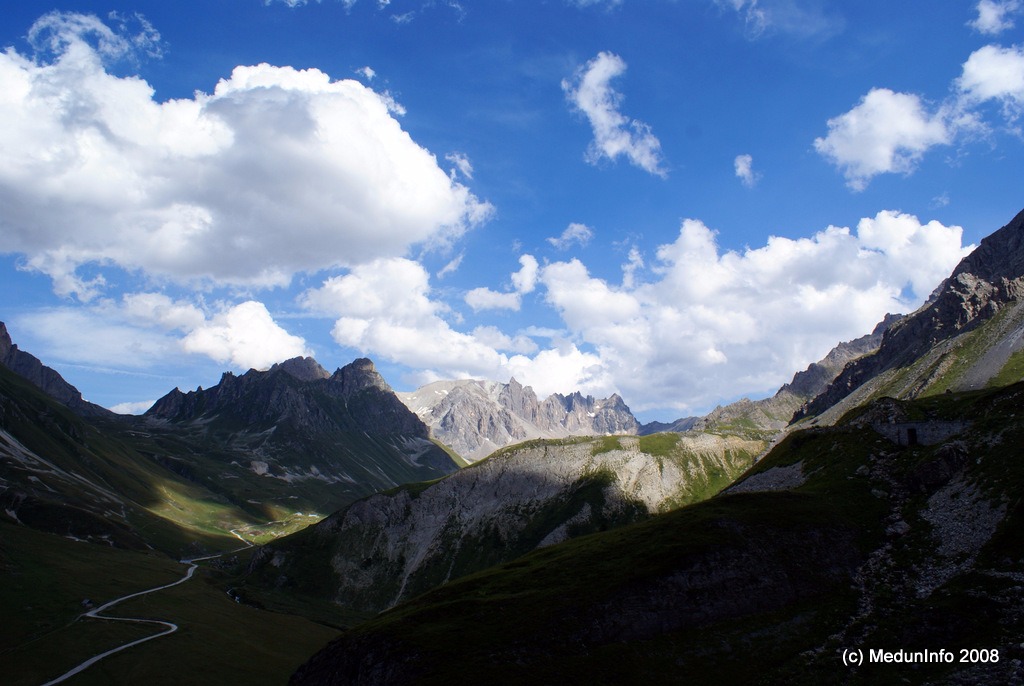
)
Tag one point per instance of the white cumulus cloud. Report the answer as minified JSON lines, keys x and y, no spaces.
{"x":146,"y":330}
{"x":889,"y":132}
{"x":615,"y":134}
{"x":886,"y":132}
{"x":994,"y":73}
{"x":277,"y":171}
{"x":387,"y":309}
{"x":245,"y":336}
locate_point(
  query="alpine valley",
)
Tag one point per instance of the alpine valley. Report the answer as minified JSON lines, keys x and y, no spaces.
{"x":471,"y":532}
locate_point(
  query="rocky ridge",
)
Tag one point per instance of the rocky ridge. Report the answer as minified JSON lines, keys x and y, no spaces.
{"x":297,"y":422}
{"x":772,"y":415}
{"x":475,"y":417}
{"x":44,"y":378}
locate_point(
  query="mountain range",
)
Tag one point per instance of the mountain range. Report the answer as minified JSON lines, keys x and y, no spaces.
{"x":300,"y":424}
{"x":475,"y":417}
{"x":872,"y":503}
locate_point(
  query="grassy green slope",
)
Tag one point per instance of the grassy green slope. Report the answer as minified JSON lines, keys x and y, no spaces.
{"x":989,"y":356}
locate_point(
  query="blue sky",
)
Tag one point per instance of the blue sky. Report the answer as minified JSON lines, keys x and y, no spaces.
{"x":682,"y":202}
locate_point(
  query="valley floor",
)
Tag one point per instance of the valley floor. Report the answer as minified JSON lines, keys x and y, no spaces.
{"x":46,"y":578}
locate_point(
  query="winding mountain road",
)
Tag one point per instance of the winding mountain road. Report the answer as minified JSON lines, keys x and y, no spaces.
{"x":170,"y":627}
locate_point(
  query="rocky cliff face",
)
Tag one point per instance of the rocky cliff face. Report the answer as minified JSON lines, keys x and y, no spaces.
{"x":44,"y":378}
{"x":986,"y":283}
{"x":475,"y":418}
{"x":395,"y":545}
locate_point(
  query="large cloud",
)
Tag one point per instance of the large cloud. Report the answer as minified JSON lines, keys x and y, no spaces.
{"x":615,"y":134}
{"x":708,"y":325}
{"x":277,"y":171}
{"x":245,"y":336}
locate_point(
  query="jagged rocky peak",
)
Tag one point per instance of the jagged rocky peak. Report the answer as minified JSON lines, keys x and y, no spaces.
{"x":360,"y":374}
{"x":303,"y":369}
{"x":999,"y":259}
{"x":519,"y":400}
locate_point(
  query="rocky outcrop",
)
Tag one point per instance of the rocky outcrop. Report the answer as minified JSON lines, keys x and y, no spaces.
{"x":395,"y":545}
{"x":475,"y":418}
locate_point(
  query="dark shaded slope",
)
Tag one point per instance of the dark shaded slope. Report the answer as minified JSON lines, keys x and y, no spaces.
{"x":62,"y":474}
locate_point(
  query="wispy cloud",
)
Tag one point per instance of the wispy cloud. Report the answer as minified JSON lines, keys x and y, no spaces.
{"x":615,"y":135}
{"x":808,"y":19}
{"x":461,"y":164}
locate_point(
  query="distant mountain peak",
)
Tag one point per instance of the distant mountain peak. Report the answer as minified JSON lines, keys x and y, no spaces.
{"x":476,"y":417}
{"x":360,"y":374}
